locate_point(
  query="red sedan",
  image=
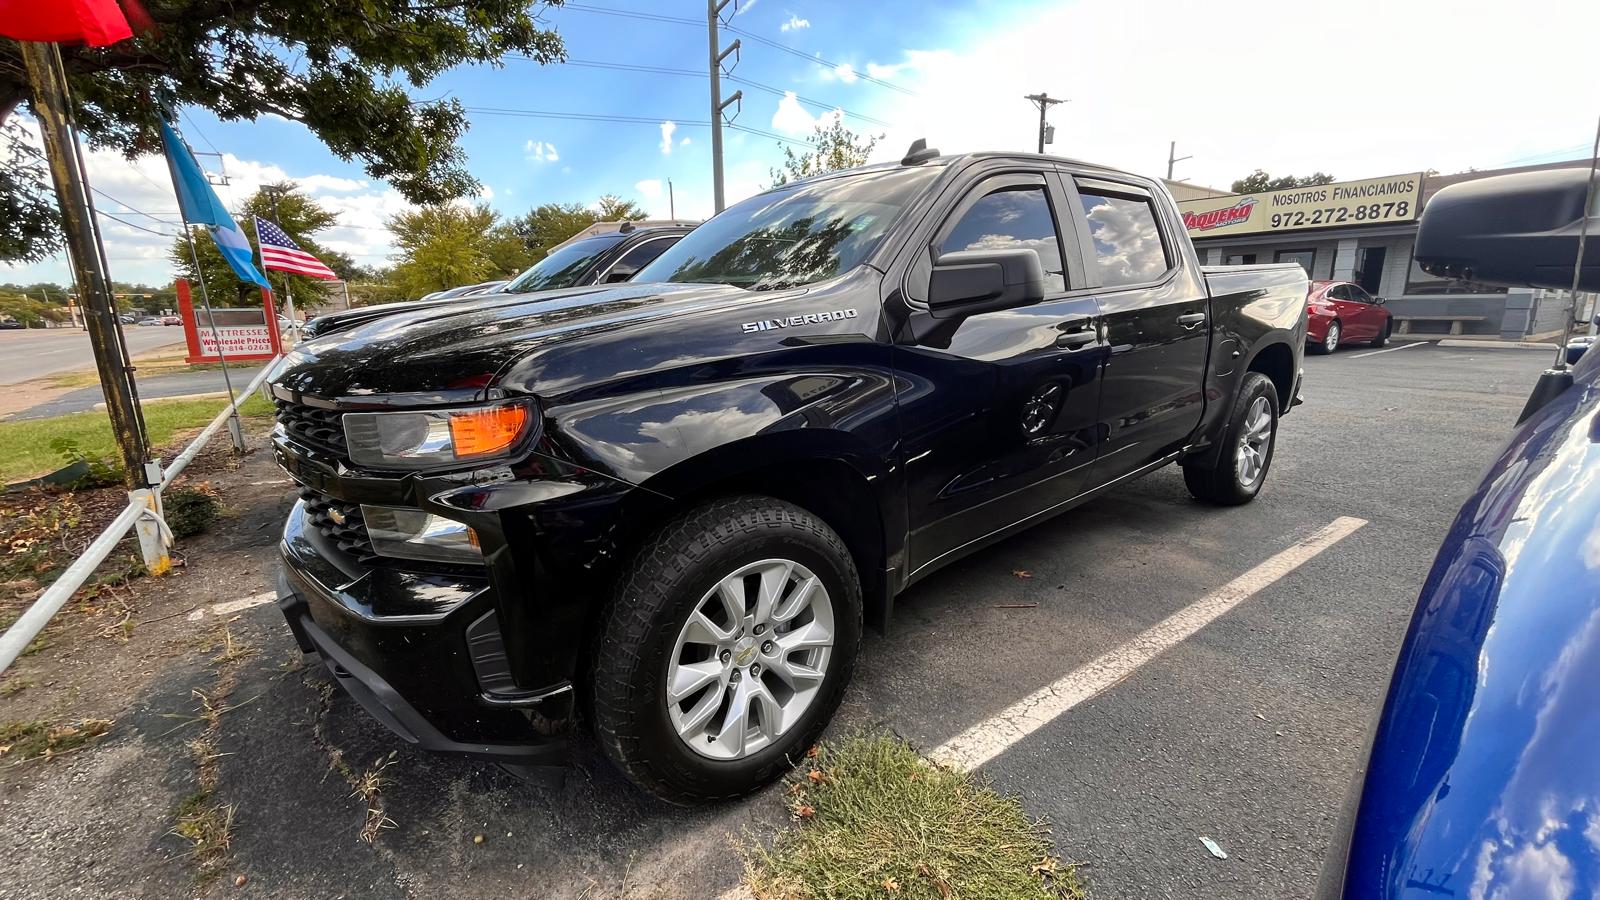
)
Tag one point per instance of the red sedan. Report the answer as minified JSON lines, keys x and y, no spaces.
{"x":1342,"y":311}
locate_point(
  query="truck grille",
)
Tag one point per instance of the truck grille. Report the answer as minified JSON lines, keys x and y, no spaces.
{"x":321,"y":429}
{"x":339,"y":522}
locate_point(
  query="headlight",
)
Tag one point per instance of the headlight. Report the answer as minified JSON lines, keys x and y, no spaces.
{"x":432,"y":438}
{"x":414,"y":534}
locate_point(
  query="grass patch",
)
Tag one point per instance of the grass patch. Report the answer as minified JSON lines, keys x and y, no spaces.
{"x":27,"y":447}
{"x":208,"y":826}
{"x":145,"y":368}
{"x":31,"y":740}
{"x":876,"y":820}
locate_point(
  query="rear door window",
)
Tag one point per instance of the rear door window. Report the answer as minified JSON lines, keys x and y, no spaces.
{"x":1128,"y":246}
{"x":1012,"y":218}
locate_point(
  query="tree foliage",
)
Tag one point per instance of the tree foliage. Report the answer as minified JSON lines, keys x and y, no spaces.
{"x":298,"y":215}
{"x":28,"y":227}
{"x":1259,"y":181}
{"x":832,"y":147}
{"x":442,"y":246}
{"x":342,"y":69}
{"x":31,"y":311}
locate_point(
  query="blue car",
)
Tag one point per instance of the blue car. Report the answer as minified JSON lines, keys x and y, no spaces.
{"x":1483,"y":779}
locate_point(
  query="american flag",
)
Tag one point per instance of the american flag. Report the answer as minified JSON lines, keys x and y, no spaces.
{"x":280,"y":253}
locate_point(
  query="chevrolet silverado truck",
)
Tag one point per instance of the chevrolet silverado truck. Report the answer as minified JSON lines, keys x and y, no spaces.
{"x":665,"y":510}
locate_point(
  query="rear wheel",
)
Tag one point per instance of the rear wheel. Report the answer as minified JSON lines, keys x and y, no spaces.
{"x":1252,"y":433}
{"x":1330,"y":339}
{"x":726,"y":649}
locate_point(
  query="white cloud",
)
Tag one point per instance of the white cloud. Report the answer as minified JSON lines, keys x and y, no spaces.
{"x":744,"y":7}
{"x":1123,"y":111}
{"x":795,"y":23}
{"x":684,"y":142}
{"x":486,"y":192}
{"x":650,"y":187}
{"x":540,"y":152}
{"x":845,"y":73}
{"x":791,"y":117}
{"x":667,"y":128}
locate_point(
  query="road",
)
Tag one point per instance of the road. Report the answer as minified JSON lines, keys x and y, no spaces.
{"x":155,"y":387}
{"x":1247,"y":731}
{"x":36,"y":352}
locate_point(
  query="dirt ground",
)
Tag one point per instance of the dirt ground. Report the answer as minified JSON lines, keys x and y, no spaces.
{"x":233,"y":768}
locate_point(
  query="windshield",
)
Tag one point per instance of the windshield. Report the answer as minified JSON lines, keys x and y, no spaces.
{"x":563,"y":267}
{"x":793,"y":235}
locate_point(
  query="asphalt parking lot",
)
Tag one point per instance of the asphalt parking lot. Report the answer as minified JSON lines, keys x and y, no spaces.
{"x":1248,"y":732}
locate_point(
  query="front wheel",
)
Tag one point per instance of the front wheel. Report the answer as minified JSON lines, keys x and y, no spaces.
{"x":726,"y":650}
{"x":1383,"y":334}
{"x":1248,"y":442}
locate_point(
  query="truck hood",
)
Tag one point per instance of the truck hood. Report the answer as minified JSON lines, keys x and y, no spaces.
{"x":458,"y":347}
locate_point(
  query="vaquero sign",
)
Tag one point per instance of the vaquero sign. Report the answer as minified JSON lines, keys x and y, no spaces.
{"x":1340,"y":204}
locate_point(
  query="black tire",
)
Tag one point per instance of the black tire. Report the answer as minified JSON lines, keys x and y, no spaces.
{"x":1383,"y":336}
{"x":1220,"y":484}
{"x":664,"y":583}
{"x":1330,"y":342}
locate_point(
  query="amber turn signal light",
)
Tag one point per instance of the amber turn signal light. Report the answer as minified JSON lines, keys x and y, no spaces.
{"x":480,"y":432}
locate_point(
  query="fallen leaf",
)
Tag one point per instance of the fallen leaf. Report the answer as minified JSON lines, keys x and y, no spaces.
{"x":1022,"y":573}
{"x":1046,"y":866}
{"x":805,"y":812}
{"x":892,"y":886}
{"x":812,"y":753}
{"x":816,"y":776}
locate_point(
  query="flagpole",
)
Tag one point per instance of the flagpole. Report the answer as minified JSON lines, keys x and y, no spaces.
{"x":235,"y":428}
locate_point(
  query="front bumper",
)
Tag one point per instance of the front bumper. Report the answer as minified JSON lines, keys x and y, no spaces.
{"x":421,"y":653}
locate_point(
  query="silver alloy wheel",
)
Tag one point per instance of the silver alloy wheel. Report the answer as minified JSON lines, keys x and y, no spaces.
{"x":1255,"y":439}
{"x":1330,"y":341}
{"x":750,"y":660}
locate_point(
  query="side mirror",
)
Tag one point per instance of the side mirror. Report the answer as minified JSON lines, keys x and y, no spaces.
{"x":1519,"y":230}
{"x":967,"y":282}
{"x":1379,"y":301}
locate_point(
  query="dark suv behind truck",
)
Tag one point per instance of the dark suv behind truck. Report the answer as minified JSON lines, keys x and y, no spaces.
{"x":608,"y":258}
{"x":666,"y":508}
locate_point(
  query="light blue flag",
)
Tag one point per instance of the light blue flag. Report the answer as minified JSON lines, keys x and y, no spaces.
{"x":200,"y":206}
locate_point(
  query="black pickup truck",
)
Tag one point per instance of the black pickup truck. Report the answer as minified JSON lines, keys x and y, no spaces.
{"x":666,"y":508}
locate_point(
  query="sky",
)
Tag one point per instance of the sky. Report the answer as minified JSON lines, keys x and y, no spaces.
{"x":1355,"y":88}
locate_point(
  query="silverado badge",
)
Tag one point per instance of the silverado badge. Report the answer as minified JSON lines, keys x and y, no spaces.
{"x":807,"y":319}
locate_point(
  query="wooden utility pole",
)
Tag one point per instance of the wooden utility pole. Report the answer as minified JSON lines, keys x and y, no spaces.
{"x":49,"y":84}
{"x":1044,"y":102}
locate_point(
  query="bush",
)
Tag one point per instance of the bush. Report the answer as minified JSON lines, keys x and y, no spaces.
{"x":190,"y":512}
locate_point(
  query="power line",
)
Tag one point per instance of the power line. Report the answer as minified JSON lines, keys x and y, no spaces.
{"x":821,"y":61}
{"x":738,"y":79}
{"x":776,"y":45}
{"x":139,"y":227}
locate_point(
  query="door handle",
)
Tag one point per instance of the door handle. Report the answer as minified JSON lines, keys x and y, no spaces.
{"x":1075,"y":339}
{"x":1190,"y":320}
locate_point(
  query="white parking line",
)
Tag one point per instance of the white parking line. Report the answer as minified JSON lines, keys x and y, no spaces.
{"x":988,"y":739}
{"x":233,"y":606}
{"x":1390,"y":349}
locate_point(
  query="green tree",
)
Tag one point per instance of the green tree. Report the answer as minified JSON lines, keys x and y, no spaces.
{"x":1259,"y":181}
{"x":28,"y":228}
{"x":832,"y":147}
{"x":611,"y":208}
{"x":30,"y":311}
{"x":344,"y":70}
{"x":300,"y":217}
{"x":441,"y":247}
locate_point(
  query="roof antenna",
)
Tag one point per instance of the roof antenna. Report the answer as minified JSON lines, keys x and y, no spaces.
{"x":919,"y":153}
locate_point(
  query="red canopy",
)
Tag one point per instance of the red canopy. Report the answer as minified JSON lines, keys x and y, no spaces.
{"x":92,"y":22}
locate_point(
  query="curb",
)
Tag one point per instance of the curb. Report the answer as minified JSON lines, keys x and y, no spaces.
{"x":205,"y":395}
{"x":1497,"y":345}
